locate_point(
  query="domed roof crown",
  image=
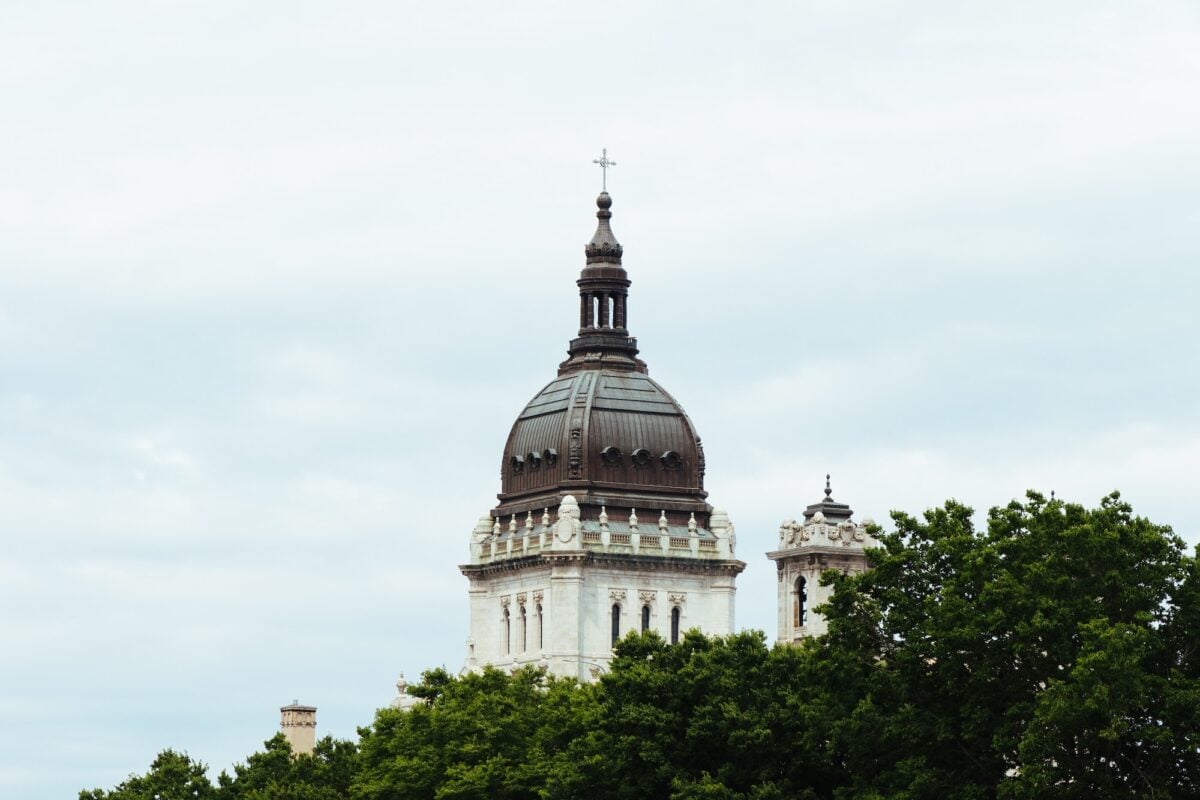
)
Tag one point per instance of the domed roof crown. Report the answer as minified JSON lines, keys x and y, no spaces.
{"x":603,"y":430}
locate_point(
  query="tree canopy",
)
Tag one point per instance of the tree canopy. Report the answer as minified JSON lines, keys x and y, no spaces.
{"x":1055,"y":653}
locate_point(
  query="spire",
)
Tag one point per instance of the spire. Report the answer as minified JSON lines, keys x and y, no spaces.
{"x":604,"y":245}
{"x":603,"y":341}
{"x":832,"y":510}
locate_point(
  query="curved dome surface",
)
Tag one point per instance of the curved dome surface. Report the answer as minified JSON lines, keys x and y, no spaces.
{"x":603,"y":431}
{"x":612,"y":431}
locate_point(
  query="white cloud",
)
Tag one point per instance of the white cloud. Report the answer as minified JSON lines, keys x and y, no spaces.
{"x":276,"y":279}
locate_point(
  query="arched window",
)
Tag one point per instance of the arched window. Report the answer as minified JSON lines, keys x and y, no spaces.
{"x":541,"y":640}
{"x":645,"y":618}
{"x":675,"y":625}
{"x":524,"y":637}
{"x":616,"y":622}
{"x":505,"y":641}
{"x":800,"y":603}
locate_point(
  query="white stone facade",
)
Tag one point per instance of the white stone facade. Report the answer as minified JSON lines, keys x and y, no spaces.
{"x":543,"y":592}
{"x":806,"y":550}
{"x":298,"y":724}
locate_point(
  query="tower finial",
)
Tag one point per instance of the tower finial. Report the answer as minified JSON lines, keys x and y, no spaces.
{"x":605,"y":162}
{"x":604,"y":247}
{"x":603,"y":340}
{"x":828,"y":490}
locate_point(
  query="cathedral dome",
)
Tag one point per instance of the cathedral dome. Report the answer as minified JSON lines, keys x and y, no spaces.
{"x":615,"y":431}
{"x":603,"y":430}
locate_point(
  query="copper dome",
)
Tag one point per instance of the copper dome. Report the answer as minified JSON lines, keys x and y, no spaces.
{"x":609,"y":437}
{"x":603,"y":430}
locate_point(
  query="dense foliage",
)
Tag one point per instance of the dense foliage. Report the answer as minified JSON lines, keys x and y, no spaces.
{"x":1055,"y":654}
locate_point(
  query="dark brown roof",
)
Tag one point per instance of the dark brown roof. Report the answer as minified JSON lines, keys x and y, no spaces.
{"x":602,"y":430}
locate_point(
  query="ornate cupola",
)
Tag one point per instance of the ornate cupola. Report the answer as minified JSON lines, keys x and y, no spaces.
{"x":603,"y":338}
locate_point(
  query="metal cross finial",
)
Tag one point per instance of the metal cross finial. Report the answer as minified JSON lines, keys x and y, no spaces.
{"x":605,"y":162}
{"x":828,"y":491}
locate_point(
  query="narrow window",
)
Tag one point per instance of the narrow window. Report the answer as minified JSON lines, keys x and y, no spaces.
{"x":645,"y":618}
{"x":800,"y":603}
{"x":524,"y":638}
{"x":675,"y":625}
{"x":595,"y":321}
{"x":612,"y":310}
{"x":541,"y":640}
{"x":616,"y":623}
{"x":505,"y":641}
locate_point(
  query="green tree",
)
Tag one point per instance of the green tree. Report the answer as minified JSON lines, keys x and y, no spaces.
{"x":1045,"y":657}
{"x":483,"y":736}
{"x":277,"y":774}
{"x":172,"y":776}
{"x":707,"y":718}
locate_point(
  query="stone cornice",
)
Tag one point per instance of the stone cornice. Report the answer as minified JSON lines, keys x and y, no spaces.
{"x":521,"y":564}
{"x":669,"y":564}
{"x":644,"y":563}
{"x":806,"y":549}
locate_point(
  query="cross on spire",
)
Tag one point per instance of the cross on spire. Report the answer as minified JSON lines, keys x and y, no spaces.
{"x":605,"y":162}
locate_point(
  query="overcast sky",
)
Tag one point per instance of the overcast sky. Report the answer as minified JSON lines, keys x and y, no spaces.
{"x":276,"y":277}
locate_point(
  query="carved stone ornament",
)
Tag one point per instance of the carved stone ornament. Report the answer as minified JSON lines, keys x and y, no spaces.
{"x":505,"y":601}
{"x":520,"y":598}
{"x":567,"y":528}
{"x":647,"y":597}
{"x":791,"y":532}
{"x":575,"y":454}
{"x":616,"y":595}
{"x":677,"y":598}
{"x":537,"y":597}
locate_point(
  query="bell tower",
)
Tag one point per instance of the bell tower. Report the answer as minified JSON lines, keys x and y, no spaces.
{"x":827,"y":538}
